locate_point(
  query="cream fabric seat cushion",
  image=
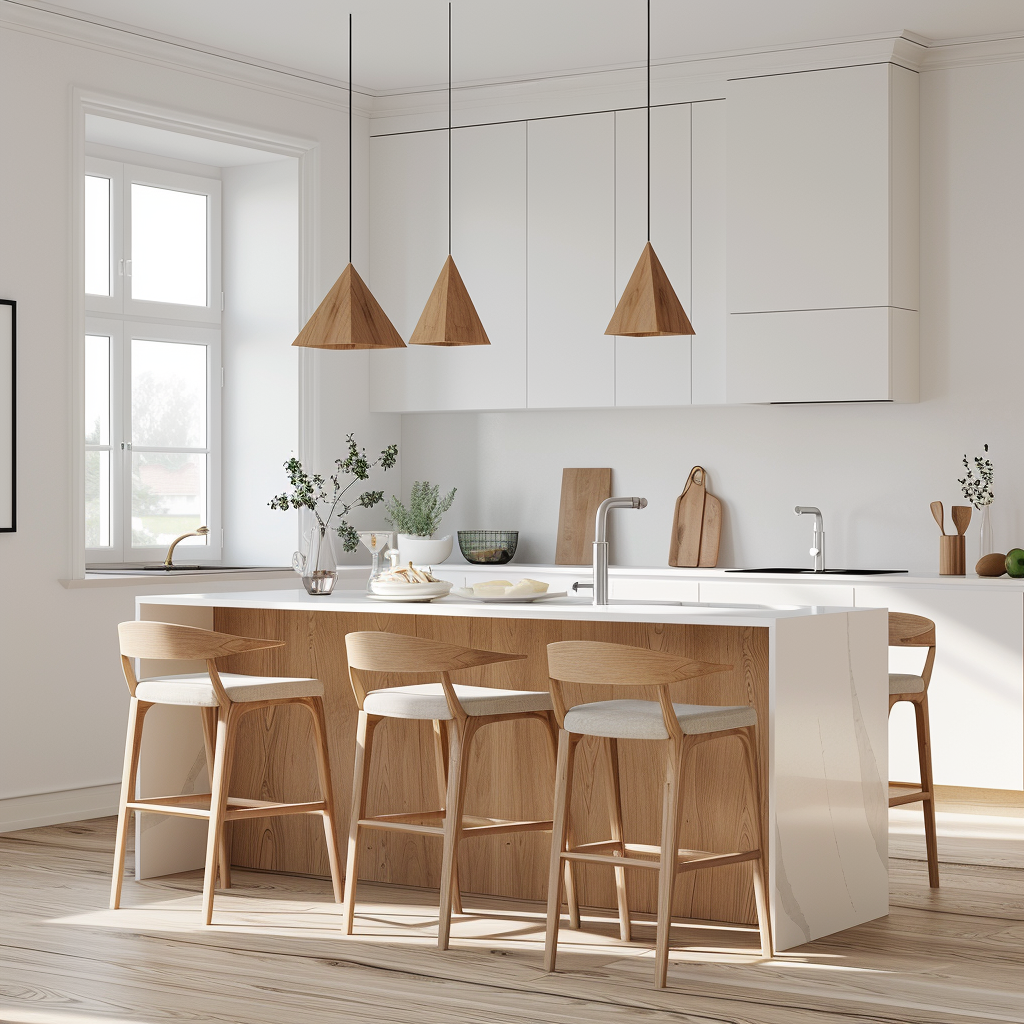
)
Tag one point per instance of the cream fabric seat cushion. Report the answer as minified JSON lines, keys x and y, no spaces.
{"x":195,"y":688}
{"x":901,"y":683}
{"x":643,"y":720}
{"x":426,"y":701}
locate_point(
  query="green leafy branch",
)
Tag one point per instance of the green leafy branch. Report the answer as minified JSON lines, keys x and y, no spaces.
{"x":977,"y":489}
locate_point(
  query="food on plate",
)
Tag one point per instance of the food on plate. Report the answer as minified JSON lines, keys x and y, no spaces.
{"x":491,"y":588}
{"x":407,"y":574}
{"x":504,"y":588}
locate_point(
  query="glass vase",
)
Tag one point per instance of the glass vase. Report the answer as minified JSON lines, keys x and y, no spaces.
{"x":318,"y":565}
{"x":986,"y":541}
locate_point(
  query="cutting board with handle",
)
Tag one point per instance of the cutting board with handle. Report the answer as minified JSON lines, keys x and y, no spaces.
{"x":697,"y":525}
{"x":583,"y":490}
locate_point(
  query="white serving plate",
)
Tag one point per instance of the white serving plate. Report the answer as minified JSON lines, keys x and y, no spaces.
{"x":388,"y":591}
{"x":468,"y":594}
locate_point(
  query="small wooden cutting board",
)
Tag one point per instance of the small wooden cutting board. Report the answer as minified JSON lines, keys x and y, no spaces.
{"x":583,"y":490}
{"x":697,"y":525}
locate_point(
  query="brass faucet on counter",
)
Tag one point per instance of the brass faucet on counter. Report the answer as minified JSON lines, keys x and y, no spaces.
{"x":202,"y":531}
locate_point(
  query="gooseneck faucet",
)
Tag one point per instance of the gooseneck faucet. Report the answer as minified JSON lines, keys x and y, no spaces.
{"x":818,"y":544}
{"x":601,"y":543}
{"x":202,"y":531}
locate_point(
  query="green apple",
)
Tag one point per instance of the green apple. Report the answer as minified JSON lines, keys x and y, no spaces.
{"x":1015,"y":562}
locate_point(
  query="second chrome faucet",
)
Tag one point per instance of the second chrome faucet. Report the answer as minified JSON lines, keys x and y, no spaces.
{"x":818,"y":544}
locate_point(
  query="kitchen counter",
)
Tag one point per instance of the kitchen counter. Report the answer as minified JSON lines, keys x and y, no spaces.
{"x":816,"y":676}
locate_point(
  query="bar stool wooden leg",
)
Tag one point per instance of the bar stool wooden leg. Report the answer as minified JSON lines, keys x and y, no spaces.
{"x":323,"y":764}
{"x":223,"y":847}
{"x":227,"y":719}
{"x":441,"y":763}
{"x":360,"y":784}
{"x":749,"y":738}
{"x":559,"y":825}
{"x":670,"y":821}
{"x":924,"y":753}
{"x":132,"y":747}
{"x":571,"y":898}
{"x":460,"y":738}
{"x":615,"y":814}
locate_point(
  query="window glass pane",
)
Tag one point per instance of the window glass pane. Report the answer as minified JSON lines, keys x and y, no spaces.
{"x":97,"y":499}
{"x":168,"y":245}
{"x":168,"y":497}
{"x":168,"y":394}
{"x":97,"y":235}
{"x":97,"y":389}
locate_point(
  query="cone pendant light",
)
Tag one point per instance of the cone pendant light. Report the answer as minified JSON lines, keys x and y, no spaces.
{"x":649,"y":306}
{"x":349,"y":317}
{"x":449,"y":317}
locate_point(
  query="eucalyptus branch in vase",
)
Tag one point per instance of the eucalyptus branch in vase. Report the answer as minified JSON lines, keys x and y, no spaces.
{"x":976,"y":486}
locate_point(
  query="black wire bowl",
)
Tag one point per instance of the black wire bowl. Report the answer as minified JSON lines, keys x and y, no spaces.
{"x":488,"y":547}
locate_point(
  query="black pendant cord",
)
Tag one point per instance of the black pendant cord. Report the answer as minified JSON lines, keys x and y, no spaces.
{"x":648,"y":120}
{"x":350,"y":137}
{"x":449,"y":128}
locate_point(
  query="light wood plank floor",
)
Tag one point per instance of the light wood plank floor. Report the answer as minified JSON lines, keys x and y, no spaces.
{"x":275,"y":954}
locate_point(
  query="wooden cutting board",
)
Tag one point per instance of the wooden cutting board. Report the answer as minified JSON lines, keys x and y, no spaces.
{"x":697,"y":525}
{"x":583,"y":490}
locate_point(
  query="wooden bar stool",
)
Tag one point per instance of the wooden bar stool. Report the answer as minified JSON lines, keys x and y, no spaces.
{"x":464,"y":709}
{"x":917,"y":631}
{"x":682,"y":727}
{"x":222,"y":699}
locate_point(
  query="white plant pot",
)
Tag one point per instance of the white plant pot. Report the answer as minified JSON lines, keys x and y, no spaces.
{"x":423,"y":550}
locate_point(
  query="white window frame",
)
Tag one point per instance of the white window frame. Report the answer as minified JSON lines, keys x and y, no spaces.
{"x":122,"y":177}
{"x":122,"y":333}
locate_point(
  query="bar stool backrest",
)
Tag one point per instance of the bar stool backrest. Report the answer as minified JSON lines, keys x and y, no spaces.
{"x":168,"y":641}
{"x":906,"y":630}
{"x":396,"y":653}
{"x":604,"y":664}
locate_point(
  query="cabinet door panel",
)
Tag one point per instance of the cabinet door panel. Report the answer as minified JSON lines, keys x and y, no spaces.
{"x":653,"y":371}
{"x":410,"y":233}
{"x":975,"y":699}
{"x":828,"y":594}
{"x":571,"y":264}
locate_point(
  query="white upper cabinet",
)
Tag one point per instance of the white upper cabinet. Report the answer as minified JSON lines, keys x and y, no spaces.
{"x":823,"y":236}
{"x":571,"y":261}
{"x":653,"y":371}
{"x":409,"y":242}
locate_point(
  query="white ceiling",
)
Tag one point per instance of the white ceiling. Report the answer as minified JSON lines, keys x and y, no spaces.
{"x":400,"y":44}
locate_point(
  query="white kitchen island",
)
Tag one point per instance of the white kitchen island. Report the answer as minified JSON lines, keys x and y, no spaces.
{"x":817,"y":676}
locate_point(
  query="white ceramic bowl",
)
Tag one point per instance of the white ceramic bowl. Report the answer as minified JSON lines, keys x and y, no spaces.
{"x":423,"y":550}
{"x":410,"y":591}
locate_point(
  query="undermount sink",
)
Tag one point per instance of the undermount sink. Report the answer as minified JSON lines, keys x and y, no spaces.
{"x":827,"y":572}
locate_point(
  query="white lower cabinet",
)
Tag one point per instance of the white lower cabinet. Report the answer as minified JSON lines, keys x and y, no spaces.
{"x":740,"y":591}
{"x":976,"y":702}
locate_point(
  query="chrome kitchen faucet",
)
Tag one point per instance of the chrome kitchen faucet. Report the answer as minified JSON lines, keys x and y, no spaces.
{"x":601,"y":543}
{"x":818,"y":544}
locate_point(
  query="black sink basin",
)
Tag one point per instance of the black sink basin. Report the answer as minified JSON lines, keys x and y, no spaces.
{"x":827,"y":572}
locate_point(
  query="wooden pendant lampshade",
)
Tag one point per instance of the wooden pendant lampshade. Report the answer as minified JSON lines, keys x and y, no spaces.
{"x":649,"y":306}
{"x":349,"y":317}
{"x":449,"y":317}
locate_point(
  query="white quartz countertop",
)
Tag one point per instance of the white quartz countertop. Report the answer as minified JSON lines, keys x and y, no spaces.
{"x":577,"y":608}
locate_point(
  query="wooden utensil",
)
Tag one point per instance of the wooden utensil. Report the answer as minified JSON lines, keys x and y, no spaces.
{"x":936,"y":507}
{"x":961,"y":518}
{"x":684,"y":547}
{"x":583,"y":490}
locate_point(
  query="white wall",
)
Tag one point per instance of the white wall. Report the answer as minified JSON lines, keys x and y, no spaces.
{"x":872,"y":469}
{"x":62,"y":699}
{"x":261,"y":394}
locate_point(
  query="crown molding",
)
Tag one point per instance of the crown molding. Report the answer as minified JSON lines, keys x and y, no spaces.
{"x":960,"y":53}
{"x":50,"y":21}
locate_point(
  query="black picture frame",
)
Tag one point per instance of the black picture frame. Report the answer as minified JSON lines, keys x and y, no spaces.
{"x":8,"y":416}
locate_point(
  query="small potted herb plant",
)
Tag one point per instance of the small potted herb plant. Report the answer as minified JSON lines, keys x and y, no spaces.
{"x":417,"y":524}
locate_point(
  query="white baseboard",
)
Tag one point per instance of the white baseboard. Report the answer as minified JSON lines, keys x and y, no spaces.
{"x":18,"y":812}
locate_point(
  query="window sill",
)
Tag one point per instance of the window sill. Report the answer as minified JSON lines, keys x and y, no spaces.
{"x":269,"y":579}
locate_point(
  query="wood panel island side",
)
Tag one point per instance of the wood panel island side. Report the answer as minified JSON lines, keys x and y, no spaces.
{"x":818,"y":678}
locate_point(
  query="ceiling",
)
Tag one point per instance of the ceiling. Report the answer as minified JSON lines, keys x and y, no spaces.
{"x":400,"y":44}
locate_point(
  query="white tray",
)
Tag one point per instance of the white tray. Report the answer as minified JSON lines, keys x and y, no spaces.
{"x":468,"y":595}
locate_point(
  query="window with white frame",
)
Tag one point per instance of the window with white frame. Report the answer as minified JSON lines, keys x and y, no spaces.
{"x":152,"y":363}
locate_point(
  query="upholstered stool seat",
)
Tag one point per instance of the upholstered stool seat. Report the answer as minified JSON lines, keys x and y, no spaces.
{"x":196,"y":690}
{"x":643,"y":719}
{"x":901,"y":682}
{"x":427,"y":701}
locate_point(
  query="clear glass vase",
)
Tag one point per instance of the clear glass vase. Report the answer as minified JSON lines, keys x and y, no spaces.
{"x":318,"y":564}
{"x":986,"y":540}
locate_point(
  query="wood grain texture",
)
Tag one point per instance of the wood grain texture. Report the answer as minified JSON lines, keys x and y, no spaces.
{"x":939,"y":957}
{"x":583,"y":490}
{"x":349,"y":318}
{"x":649,"y":306}
{"x":449,"y":317}
{"x":688,"y":521}
{"x":710,"y":532}
{"x":952,"y":556}
{"x":511,"y":767}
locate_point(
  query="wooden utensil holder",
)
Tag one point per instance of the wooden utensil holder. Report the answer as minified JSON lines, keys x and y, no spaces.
{"x":952,"y":556}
